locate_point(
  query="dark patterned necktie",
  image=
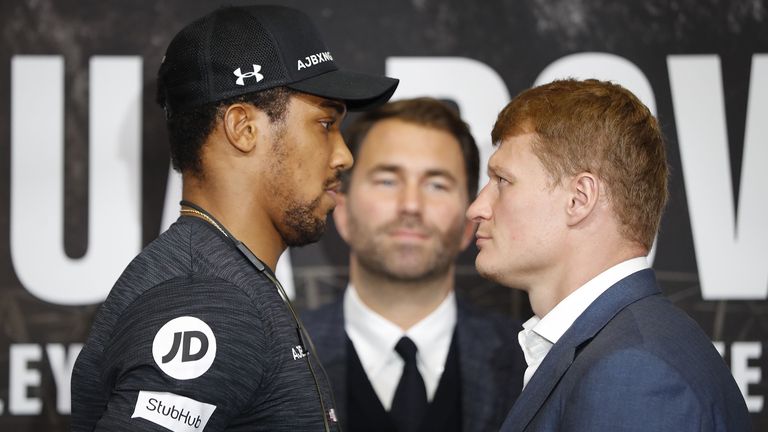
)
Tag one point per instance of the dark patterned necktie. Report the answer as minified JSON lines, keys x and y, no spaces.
{"x":410,"y":403}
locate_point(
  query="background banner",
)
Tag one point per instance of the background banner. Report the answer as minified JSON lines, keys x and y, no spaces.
{"x":85,"y":179}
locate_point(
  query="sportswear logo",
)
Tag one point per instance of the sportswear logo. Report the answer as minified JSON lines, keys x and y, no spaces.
{"x":242,"y":76}
{"x":186,"y":355}
{"x":184,"y":348}
{"x":314,"y":59}
{"x":298,"y":352}
{"x":174,"y":412}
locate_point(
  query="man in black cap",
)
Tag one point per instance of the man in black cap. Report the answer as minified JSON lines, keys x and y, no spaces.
{"x":197,"y":334}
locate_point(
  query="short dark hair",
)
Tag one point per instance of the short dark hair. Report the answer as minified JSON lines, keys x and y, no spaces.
{"x":189,"y":129}
{"x":602,"y":128}
{"x":422,"y":111}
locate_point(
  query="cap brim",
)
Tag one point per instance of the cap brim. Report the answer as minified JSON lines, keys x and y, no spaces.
{"x":359,"y":91}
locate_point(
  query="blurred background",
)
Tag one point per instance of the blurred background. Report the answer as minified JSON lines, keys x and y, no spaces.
{"x":85,"y":179}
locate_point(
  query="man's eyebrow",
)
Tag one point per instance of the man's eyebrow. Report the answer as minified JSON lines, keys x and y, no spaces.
{"x":338,"y":106}
{"x":441,"y":173}
{"x":389,"y":168}
{"x":385,"y":168}
{"x":498,"y":170}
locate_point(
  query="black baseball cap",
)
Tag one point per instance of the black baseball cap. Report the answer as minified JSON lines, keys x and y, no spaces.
{"x":239,"y":50}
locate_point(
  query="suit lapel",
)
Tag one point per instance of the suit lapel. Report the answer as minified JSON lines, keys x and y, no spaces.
{"x":539,"y":388}
{"x":561,"y":356}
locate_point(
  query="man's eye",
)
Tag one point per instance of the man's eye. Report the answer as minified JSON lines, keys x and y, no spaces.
{"x":438,"y":186}
{"x":326,"y":124}
{"x":384,"y":182}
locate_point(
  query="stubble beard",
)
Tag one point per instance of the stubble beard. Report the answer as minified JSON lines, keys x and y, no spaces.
{"x":299,"y":225}
{"x":404,"y":263}
{"x":302,"y":226}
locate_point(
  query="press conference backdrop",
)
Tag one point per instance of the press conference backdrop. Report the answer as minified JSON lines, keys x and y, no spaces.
{"x":85,"y":179}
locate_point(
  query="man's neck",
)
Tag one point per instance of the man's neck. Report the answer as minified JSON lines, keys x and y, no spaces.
{"x":403,"y":303}
{"x":249,"y":225}
{"x":569,"y":277}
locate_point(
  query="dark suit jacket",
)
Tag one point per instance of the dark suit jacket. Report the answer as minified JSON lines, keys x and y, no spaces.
{"x":631,"y":362}
{"x":491,"y":361}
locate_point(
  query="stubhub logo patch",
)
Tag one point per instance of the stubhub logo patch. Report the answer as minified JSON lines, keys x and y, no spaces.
{"x":174,"y":412}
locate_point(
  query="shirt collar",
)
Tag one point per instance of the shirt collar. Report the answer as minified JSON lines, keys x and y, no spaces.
{"x":432,"y":335}
{"x":375,"y":337}
{"x":533,"y":343}
{"x":554,"y":324}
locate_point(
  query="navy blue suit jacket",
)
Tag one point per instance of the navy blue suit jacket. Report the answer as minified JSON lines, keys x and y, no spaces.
{"x":490,"y":358}
{"x":631,"y":362}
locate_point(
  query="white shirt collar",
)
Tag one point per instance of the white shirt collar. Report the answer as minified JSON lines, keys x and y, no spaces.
{"x":535,"y":347}
{"x":433,"y":334}
{"x":372,"y":334}
{"x":554,"y":324}
{"x":540,"y":334}
{"x":374,"y":338}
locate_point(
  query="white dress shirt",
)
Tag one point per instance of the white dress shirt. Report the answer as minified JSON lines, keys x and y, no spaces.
{"x":375,"y":337}
{"x":539,"y":334}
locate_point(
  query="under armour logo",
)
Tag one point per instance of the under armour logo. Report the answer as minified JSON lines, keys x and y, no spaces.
{"x":242,"y":76}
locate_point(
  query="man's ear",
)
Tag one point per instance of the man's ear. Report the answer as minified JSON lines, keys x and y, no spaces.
{"x":242,"y":125}
{"x":585,"y":189}
{"x":340,"y":218}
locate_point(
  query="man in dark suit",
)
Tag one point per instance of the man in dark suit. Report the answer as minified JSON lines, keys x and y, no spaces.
{"x":402,"y":351}
{"x":577,"y":186}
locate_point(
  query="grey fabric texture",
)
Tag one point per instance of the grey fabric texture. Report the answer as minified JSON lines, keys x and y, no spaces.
{"x":256,"y":381}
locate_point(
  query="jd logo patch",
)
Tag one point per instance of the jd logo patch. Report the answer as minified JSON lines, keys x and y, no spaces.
{"x":184,"y":348}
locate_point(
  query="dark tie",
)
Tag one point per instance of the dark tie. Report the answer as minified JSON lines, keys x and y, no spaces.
{"x":410,"y":402}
